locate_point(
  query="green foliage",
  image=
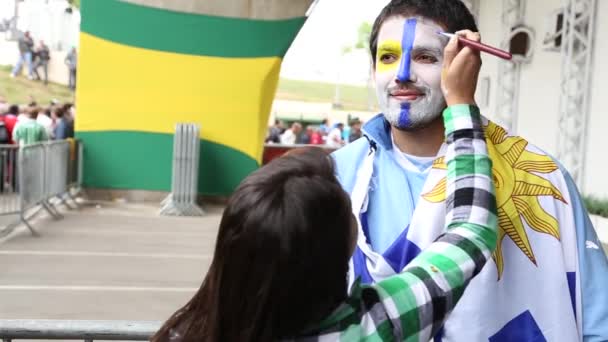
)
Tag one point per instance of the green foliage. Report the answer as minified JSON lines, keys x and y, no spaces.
{"x":363,"y":34}
{"x":596,"y":206}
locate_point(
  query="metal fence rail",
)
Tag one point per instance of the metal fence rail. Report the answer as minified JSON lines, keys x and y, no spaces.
{"x":9,"y":192}
{"x":11,"y":330}
{"x":184,"y":184}
{"x":33,"y":175}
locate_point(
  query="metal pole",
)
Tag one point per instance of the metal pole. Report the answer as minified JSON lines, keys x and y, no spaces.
{"x":509,"y":72}
{"x":577,"y":53}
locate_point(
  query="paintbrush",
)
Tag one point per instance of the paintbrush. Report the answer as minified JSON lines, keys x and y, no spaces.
{"x":480,"y":46}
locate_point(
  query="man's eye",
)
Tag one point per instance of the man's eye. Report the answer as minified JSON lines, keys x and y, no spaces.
{"x":388,"y":58}
{"x":428,"y":59}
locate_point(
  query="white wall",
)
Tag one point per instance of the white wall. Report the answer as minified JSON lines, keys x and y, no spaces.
{"x":540,"y":87}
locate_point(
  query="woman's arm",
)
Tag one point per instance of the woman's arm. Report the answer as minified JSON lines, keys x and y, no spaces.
{"x":421,"y":297}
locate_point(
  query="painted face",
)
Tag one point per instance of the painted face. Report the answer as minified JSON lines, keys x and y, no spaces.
{"x":409,"y":61}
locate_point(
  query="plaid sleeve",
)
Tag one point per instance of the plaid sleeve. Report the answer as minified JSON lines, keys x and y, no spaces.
{"x":418,"y":300}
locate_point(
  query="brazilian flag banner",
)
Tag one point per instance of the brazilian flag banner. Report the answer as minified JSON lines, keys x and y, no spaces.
{"x":145,"y":65}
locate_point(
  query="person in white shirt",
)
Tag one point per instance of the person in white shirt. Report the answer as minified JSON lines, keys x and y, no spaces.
{"x":290,"y":136}
{"x":45,"y":120}
{"x":334,"y":138}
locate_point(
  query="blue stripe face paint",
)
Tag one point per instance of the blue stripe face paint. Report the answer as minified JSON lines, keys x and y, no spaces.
{"x":407,"y":43}
{"x":403,"y":74}
{"x":404,"y":116}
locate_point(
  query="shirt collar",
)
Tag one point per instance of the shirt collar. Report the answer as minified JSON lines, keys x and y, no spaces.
{"x":379,"y":130}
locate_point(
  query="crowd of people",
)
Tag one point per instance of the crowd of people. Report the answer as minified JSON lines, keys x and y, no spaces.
{"x":37,"y":57}
{"x":333,"y":136}
{"x":34,"y":123}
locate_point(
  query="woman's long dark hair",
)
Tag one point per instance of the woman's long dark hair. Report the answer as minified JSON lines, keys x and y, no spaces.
{"x":281,"y":256}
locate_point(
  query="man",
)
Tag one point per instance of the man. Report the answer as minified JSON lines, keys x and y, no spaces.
{"x":549,"y":276}
{"x":334,"y":138}
{"x":290,"y":136}
{"x":42,"y":61}
{"x":44,"y":119}
{"x":9,"y":120}
{"x":71,"y":60}
{"x":29,"y":131}
{"x":275,"y":131}
{"x":355,"y":130}
{"x":25,"y":45}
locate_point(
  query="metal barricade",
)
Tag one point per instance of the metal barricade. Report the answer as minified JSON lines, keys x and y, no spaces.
{"x":32,"y":175}
{"x":75,"y":164}
{"x":9,"y":192}
{"x":184,"y":184}
{"x":77,"y":330}
{"x":31,"y":167}
{"x":57,"y":168}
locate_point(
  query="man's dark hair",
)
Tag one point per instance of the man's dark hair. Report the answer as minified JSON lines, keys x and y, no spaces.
{"x":13,"y":109}
{"x":453,"y":15}
{"x":281,"y":256}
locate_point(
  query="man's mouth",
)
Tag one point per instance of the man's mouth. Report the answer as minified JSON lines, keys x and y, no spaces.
{"x":406,"y":94}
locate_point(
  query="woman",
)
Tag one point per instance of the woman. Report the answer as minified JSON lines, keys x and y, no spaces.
{"x":281,"y":259}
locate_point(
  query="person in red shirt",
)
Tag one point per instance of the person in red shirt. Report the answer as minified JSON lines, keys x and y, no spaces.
{"x":10,"y":120}
{"x":316,"y":138}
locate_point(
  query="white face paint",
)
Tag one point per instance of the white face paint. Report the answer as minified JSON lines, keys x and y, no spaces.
{"x":409,"y":62}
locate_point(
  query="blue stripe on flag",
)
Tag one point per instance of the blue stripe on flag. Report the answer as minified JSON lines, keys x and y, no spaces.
{"x":401,"y":252}
{"x":522,"y":328}
{"x":364,"y":225}
{"x":360,"y":267}
{"x":572,"y":287}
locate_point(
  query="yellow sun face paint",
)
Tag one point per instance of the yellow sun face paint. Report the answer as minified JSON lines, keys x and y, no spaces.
{"x":388,"y":56}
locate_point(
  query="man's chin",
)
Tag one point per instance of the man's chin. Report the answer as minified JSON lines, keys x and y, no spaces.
{"x":417,"y":124}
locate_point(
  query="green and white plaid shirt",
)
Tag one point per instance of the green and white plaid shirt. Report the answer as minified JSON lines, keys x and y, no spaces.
{"x":413,"y":305}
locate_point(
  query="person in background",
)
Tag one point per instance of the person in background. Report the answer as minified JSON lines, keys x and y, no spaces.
{"x":26,"y":46}
{"x":275,"y":131}
{"x":44,"y":118}
{"x":346,"y":132}
{"x":334,"y":138}
{"x":355,"y":132}
{"x":29,"y":131}
{"x":306,"y":136}
{"x":71,"y":60}
{"x":10,"y":120}
{"x":43,"y":56}
{"x":291,"y":135}
{"x":324,"y":127}
{"x":316,"y":138}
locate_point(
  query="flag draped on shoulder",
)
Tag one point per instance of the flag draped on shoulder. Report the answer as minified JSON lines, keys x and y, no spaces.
{"x":531,"y":292}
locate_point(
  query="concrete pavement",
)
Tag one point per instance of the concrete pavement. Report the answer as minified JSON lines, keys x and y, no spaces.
{"x":117,"y":261}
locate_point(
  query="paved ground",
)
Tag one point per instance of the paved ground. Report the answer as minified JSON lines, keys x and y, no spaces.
{"x":116,"y":261}
{"x":109,"y":262}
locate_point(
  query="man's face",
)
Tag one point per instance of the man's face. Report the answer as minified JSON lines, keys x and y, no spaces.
{"x":409,"y":61}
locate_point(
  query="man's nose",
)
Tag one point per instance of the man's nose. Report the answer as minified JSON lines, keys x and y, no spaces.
{"x":405,"y":67}
{"x":405,"y":77}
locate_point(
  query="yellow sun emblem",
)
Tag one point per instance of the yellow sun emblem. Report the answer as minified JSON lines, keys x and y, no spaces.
{"x":517,"y":191}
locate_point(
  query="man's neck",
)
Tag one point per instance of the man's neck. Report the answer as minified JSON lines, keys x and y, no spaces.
{"x":424,"y":142}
